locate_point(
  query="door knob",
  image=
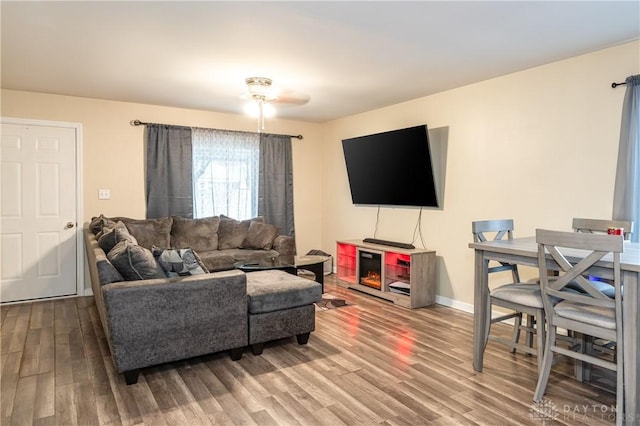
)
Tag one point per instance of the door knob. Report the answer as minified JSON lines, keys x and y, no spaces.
{"x":69,"y":225}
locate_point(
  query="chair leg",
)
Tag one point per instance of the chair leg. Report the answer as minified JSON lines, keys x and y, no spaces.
{"x":547,"y":361}
{"x":541,"y":334}
{"x":582,"y":369}
{"x":531,"y":323}
{"x":517,"y":325}
{"x":620,"y":396}
{"x":488,"y":323}
{"x":586,"y":375}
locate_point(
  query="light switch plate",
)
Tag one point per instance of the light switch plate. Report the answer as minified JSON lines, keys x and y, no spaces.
{"x":104,"y":194}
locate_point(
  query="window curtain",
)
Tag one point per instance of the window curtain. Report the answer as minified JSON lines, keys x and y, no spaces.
{"x":626,"y":196}
{"x":275,"y":189}
{"x":225,"y":173}
{"x":168,"y":162}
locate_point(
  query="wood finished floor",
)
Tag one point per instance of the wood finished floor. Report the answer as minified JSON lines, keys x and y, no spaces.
{"x":372,"y":363}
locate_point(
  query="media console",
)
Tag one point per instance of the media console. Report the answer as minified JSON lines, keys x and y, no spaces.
{"x":405,"y":276}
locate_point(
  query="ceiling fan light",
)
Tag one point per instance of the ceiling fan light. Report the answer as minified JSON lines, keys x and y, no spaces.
{"x":252,"y":109}
{"x":268,"y":110}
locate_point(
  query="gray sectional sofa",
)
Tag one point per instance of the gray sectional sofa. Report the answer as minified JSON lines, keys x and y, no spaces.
{"x":219,"y":241}
{"x":157,"y":308}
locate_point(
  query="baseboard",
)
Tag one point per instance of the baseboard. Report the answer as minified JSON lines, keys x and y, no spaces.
{"x":467,"y":307}
{"x":455,"y":304}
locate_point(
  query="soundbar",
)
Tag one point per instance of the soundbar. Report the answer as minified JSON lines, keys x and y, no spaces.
{"x":389,"y":243}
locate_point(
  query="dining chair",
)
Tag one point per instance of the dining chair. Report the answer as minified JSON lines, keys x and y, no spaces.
{"x":598,"y":226}
{"x":601,"y":226}
{"x":589,"y":311}
{"x":522,"y":298}
{"x":594,"y":226}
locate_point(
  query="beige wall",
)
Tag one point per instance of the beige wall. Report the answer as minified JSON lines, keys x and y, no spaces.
{"x":538,"y":146}
{"x":113,"y":154}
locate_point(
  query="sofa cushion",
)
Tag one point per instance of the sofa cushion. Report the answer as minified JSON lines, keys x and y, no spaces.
{"x":217,"y":260}
{"x":260,"y":236}
{"x":249,"y":255}
{"x":199,"y":234}
{"x":179,"y":262}
{"x":135,"y":262}
{"x":112,"y":235}
{"x":222,"y":260}
{"x":274,"y":290}
{"x":149,"y":232}
{"x":232,"y":232}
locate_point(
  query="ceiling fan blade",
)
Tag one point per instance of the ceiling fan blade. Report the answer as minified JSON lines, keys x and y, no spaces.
{"x":292,"y":97}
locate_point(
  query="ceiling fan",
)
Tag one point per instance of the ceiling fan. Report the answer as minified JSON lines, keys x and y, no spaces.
{"x":262,"y":95}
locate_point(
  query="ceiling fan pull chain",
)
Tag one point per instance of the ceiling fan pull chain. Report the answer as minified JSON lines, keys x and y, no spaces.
{"x":261,"y":105}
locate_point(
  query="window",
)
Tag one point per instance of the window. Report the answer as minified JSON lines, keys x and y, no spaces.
{"x":225,"y":173}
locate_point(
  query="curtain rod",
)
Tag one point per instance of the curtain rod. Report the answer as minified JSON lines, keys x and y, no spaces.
{"x":142,"y":123}
{"x":614,"y":84}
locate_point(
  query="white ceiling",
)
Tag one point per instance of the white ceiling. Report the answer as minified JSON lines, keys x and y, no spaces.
{"x":347,"y":57}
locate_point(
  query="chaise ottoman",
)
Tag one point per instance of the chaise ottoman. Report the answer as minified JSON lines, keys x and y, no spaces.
{"x":280,"y":305}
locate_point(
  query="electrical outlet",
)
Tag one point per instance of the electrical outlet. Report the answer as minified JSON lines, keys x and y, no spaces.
{"x":104,"y":194}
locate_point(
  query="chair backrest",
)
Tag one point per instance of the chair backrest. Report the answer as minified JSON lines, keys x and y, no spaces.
{"x":503,"y":229}
{"x":602,"y":226}
{"x":554,"y":252}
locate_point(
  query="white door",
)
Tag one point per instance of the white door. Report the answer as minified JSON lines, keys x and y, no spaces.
{"x":38,"y":245}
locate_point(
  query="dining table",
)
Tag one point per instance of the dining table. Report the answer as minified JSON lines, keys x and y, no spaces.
{"x":524,"y":251}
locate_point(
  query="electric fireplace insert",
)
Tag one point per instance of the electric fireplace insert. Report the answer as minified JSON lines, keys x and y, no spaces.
{"x":370,"y":269}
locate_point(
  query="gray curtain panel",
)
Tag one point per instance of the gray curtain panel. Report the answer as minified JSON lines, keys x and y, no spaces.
{"x":626,"y":196}
{"x":169,"y":188}
{"x":275,"y":184}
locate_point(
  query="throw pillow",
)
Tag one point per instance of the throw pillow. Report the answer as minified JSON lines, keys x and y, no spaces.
{"x":179,"y":262}
{"x":149,"y":232}
{"x":134,"y":262}
{"x":260,"y":236}
{"x":98,"y":224}
{"x":232,"y":232}
{"x":107,"y":273}
{"x":198,"y":234}
{"x":113,"y":235}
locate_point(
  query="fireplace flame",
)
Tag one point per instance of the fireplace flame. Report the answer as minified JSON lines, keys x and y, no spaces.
{"x":372,"y":279}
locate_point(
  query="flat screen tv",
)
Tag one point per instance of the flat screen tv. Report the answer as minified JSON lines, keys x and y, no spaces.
{"x":391,"y":168}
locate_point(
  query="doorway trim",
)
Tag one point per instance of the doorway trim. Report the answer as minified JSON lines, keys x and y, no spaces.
{"x":80,"y":277}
